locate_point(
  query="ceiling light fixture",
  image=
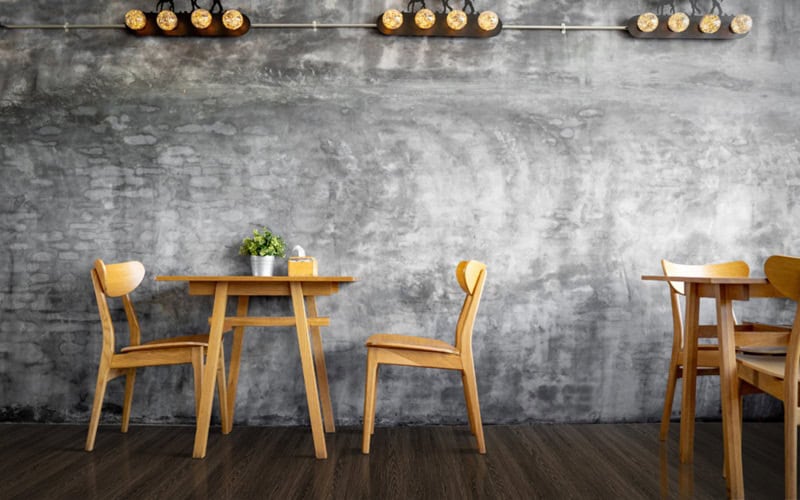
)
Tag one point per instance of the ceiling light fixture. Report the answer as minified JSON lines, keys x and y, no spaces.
{"x":415,"y":22}
{"x":419,"y":20}
{"x":215,"y":21}
{"x":680,"y":26}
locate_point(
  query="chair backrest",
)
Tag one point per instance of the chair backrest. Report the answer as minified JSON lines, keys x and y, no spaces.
{"x":471,"y":275}
{"x":784,"y":274}
{"x":116,"y":280}
{"x":733,"y":269}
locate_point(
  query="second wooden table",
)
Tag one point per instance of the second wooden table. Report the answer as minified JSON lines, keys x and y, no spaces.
{"x":724,"y":291}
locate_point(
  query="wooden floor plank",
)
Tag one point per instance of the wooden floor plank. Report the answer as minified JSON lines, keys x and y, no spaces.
{"x":522,"y":461}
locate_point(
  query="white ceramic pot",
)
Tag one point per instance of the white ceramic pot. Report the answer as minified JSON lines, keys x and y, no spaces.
{"x":262,"y":266}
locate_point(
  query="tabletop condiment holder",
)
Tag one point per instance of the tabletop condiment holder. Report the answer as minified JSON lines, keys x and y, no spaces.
{"x":302,"y":264}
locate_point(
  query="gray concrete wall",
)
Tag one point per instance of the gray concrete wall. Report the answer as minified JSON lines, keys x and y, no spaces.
{"x":569,"y":164}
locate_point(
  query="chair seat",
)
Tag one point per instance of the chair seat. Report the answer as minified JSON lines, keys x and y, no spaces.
{"x":774,"y":366}
{"x":409,"y":342}
{"x":170,"y":343}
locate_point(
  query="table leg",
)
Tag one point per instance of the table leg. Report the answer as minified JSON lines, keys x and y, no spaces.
{"x":689,"y":372}
{"x":236,"y":356}
{"x":322,"y":372}
{"x":307,"y":360}
{"x":210,"y":370}
{"x":729,"y":387}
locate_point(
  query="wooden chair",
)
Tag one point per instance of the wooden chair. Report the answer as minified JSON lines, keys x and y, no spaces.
{"x":119,"y":280}
{"x":778,"y":375}
{"x":431,"y":353}
{"x":748,"y":334}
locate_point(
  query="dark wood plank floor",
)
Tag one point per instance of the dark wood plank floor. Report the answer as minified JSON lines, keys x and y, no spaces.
{"x":530,"y":461}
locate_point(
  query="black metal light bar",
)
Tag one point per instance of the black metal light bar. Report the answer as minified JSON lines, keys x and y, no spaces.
{"x":680,"y":26}
{"x":440,"y":28}
{"x":213,"y":22}
{"x":186,"y":28}
{"x":419,"y":20}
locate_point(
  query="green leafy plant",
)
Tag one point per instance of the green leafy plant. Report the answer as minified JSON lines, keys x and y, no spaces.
{"x":263,"y":243}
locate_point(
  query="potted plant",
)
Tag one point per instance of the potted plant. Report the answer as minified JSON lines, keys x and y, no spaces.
{"x":262,"y":248}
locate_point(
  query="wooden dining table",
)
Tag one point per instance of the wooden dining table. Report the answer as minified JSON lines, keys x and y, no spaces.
{"x":724,"y":291}
{"x":303,"y":291}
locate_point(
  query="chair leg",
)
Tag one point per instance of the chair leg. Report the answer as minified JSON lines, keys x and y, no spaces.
{"x":222,"y":388}
{"x":790,"y":449}
{"x":99,"y":394}
{"x":197,"y":367}
{"x":472,"y":388}
{"x":130,"y":379}
{"x":374,"y":397}
{"x":469,"y":404}
{"x":370,"y":393}
{"x":669,"y":397}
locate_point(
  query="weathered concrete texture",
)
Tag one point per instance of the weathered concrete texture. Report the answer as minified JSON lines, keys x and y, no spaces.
{"x":569,"y":164}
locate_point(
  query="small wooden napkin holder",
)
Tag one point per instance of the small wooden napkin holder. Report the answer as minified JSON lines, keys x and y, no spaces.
{"x":302,"y":266}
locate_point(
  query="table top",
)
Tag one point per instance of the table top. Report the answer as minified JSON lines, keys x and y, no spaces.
{"x":712,"y":281}
{"x":261,"y":279}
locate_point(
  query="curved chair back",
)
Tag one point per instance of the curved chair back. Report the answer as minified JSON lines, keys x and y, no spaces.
{"x":471,"y":275}
{"x":784,"y":274}
{"x":116,"y":280}
{"x":119,"y":279}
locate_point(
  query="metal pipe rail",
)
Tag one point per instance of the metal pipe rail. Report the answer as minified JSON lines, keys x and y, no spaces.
{"x":313,"y":26}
